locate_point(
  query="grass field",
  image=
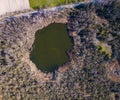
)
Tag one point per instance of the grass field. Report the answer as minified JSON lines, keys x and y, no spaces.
{"x":35,"y":4}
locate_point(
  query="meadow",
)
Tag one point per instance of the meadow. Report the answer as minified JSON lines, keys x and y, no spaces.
{"x":37,"y":4}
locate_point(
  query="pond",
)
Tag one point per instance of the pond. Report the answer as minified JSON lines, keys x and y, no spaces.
{"x":50,"y":47}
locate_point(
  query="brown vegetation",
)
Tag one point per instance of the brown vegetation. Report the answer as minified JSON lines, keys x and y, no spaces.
{"x":113,"y":71}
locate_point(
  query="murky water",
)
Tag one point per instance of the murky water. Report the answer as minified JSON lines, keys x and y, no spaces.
{"x":50,"y":46}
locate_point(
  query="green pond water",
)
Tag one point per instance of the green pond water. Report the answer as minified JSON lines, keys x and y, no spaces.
{"x":50,"y":47}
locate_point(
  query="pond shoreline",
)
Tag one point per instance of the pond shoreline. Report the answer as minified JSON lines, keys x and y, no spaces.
{"x":80,"y":78}
{"x":50,"y":47}
{"x":25,"y":36}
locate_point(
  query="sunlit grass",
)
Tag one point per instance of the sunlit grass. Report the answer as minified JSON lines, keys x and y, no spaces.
{"x":102,"y":47}
{"x":50,"y":3}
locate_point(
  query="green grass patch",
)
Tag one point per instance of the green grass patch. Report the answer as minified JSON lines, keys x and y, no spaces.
{"x":103,"y":32}
{"x":102,"y":48}
{"x":35,"y":4}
